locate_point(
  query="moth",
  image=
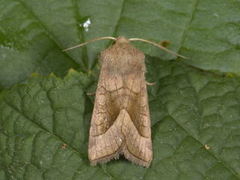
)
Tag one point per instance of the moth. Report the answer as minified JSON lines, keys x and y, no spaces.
{"x":120,"y":123}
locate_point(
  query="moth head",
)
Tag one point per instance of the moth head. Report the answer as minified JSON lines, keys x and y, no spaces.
{"x":122,"y":39}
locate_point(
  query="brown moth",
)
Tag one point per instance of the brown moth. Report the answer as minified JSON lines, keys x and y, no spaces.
{"x":121,"y":122}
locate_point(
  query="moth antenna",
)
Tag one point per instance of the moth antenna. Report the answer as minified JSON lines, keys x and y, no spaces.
{"x":159,"y":46}
{"x":92,"y":40}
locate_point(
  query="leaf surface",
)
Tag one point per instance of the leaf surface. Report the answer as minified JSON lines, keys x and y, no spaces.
{"x":195,"y":114}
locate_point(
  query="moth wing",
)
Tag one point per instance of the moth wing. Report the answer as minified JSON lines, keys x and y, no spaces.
{"x":138,"y":133}
{"x":105,"y":138}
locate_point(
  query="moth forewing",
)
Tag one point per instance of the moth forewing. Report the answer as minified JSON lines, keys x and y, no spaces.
{"x":121,"y":122}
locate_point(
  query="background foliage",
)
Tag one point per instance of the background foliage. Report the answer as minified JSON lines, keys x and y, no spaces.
{"x":195,"y":103}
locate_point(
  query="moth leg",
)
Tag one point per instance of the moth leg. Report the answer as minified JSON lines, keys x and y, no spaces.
{"x":150,"y":83}
{"x":91,"y":93}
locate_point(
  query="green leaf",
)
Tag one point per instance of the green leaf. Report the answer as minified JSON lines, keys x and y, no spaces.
{"x":195,"y":128}
{"x":33,"y":33}
{"x":44,"y":120}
